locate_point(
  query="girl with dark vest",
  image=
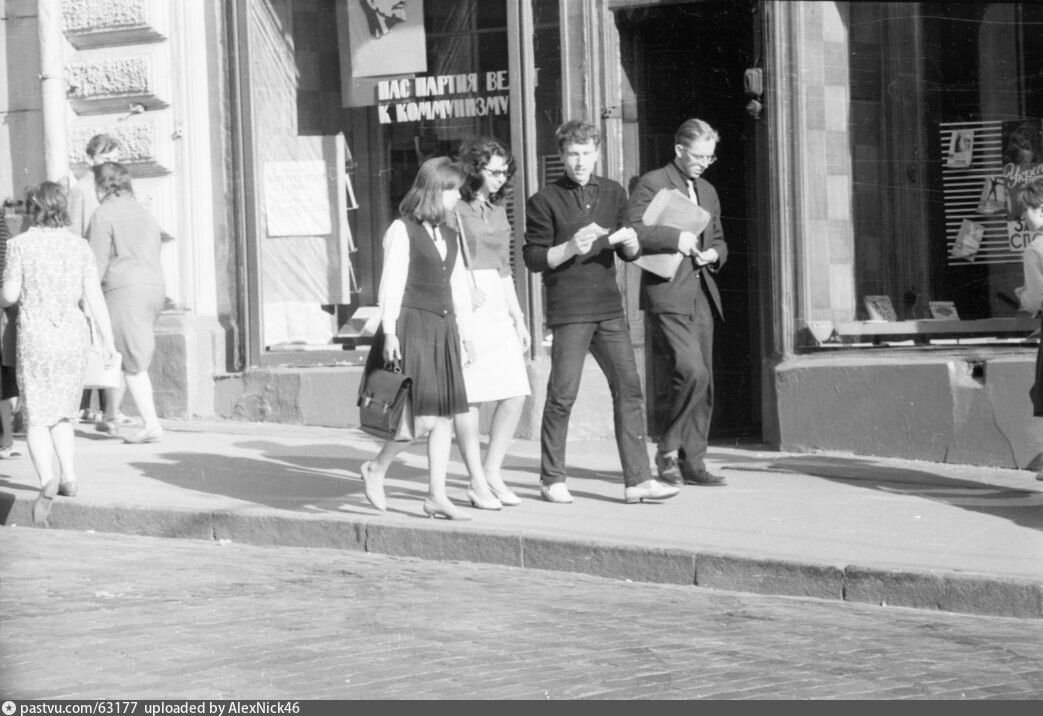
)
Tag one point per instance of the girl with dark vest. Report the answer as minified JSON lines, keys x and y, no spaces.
{"x":425,"y":307}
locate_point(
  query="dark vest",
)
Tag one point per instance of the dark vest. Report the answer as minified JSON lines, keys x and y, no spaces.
{"x":427,"y":286}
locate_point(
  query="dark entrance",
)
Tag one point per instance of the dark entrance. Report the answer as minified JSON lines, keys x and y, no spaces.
{"x":687,"y":60}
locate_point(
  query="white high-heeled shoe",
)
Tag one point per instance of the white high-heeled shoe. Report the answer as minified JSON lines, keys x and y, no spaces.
{"x":493,"y":503}
{"x":447,"y":510}
{"x":505,"y":496}
{"x":374,"y":492}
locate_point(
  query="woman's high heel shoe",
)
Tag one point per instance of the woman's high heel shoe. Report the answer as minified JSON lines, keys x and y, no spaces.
{"x":447,"y":510}
{"x":491,"y":504}
{"x":501,"y":491}
{"x":505,"y":496}
{"x":374,"y":492}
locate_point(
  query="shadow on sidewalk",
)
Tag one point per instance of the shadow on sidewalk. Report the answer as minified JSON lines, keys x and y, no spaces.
{"x":1022,"y":507}
{"x":305,"y":478}
{"x":325,"y":476}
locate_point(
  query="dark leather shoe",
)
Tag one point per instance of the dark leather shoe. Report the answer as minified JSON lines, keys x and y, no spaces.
{"x":702,"y":477}
{"x":669,"y":469}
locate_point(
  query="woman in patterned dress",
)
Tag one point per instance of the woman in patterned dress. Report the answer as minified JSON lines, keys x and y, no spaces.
{"x":498,"y":376}
{"x":49,"y":271}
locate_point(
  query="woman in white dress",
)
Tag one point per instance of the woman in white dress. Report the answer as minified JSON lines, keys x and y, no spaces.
{"x":501,"y":337}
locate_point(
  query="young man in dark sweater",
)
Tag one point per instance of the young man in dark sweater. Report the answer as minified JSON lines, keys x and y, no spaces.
{"x":575,"y":227}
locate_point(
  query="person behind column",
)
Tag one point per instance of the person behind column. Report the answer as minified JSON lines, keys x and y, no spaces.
{"x":83,"y":197}
{"x":568,"y":223}
{"x":425,"y":309}
{"x":8,"y":342}
{"x":125,"y":238}
{"x":1030,"y":201}
{"x":83,"y":200}
{"x":501,"y":337}
{"x":51,"y":272}
{"x":683,"y":308}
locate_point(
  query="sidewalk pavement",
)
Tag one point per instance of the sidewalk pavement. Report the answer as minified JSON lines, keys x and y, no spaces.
{"x":833,"y":526}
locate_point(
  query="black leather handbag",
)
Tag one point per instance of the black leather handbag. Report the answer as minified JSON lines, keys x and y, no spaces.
{"x":386,"y":404}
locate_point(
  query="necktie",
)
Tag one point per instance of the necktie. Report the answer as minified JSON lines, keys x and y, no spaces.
{"x":692,"y":195}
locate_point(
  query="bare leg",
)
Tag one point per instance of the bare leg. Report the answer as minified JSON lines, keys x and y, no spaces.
{"x":140,"y":387}
{"x":373,"y":472}
{"x":41,"y":452}
{"x":501,"y":434}
{"x":439,"y":445}
{"x":64,"y":439}
{"x":466,"y":425}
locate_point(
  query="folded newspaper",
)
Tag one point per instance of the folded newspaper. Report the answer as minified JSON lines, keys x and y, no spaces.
{"x":672,"y":208}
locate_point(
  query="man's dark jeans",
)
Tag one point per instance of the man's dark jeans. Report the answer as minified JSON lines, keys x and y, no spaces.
{"x":609,"y":342}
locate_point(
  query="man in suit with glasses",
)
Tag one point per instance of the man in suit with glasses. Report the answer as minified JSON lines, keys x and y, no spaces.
{"x":683,"y":309}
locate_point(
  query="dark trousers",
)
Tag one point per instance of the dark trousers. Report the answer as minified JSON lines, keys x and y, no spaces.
{"x":609,"y":343}
{"x":687,"y":342}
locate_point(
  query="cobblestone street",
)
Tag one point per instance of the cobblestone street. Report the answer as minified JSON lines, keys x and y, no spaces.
{"x":90,"y":615}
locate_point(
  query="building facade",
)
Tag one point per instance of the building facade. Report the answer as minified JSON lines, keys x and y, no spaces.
{"x":869,"y":165}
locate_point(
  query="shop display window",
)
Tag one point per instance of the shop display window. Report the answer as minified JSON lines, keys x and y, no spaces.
{"x":945,"y":104}
{"x":347,"y":100}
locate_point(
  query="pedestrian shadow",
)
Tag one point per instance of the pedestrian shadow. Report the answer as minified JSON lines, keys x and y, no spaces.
{"x":520,"y":473}
{"x":1023,"y":507}
{"x":324,"y":477}
{"x":312,"y":478}
{"x":330,"y":484}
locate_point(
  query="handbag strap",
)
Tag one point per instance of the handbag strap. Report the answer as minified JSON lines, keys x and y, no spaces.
{"x":466,"y":252}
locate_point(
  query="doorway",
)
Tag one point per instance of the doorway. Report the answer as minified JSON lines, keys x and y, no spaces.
{"x":686,"y":60}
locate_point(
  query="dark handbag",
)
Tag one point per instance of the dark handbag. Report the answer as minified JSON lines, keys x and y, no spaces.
{"x":386,"y":404}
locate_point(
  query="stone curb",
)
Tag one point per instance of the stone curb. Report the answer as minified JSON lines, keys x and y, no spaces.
{"x":967,"y":593}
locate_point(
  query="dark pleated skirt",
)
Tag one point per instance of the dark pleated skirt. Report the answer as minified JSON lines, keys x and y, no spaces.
{"x":1036,"y":392}
{"x":430,"y":347}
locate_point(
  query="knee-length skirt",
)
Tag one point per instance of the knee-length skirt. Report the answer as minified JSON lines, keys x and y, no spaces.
{"x":499,"y":372}
{"x":133,"y":311}
{"x":431,"y":356}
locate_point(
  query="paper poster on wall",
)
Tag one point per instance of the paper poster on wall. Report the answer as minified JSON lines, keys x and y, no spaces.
{"x":386,"y":37}
{"x":968,"y":240}
{"x":993,"y":197}
{"x":961,"y":149}
{"x":1022,"y":163}
{"x":296,"y":198}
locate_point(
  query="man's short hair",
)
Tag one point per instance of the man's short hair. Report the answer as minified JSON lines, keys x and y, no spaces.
{"x":102,"y":144}
{"x":694,"y":130}
{"x":576,"y":131}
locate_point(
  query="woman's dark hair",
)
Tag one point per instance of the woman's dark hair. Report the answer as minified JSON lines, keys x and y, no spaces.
{"x":101,"y":144}
{"x":474,"y":155}
{"x":112,"y":179}
{"x":423,"y":201}
{"x":47,"y":205}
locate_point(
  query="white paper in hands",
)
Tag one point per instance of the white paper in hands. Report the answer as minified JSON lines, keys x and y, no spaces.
{"x":592,"y":229}
{"x":583,"y":240}
{"x":619,"y":235}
